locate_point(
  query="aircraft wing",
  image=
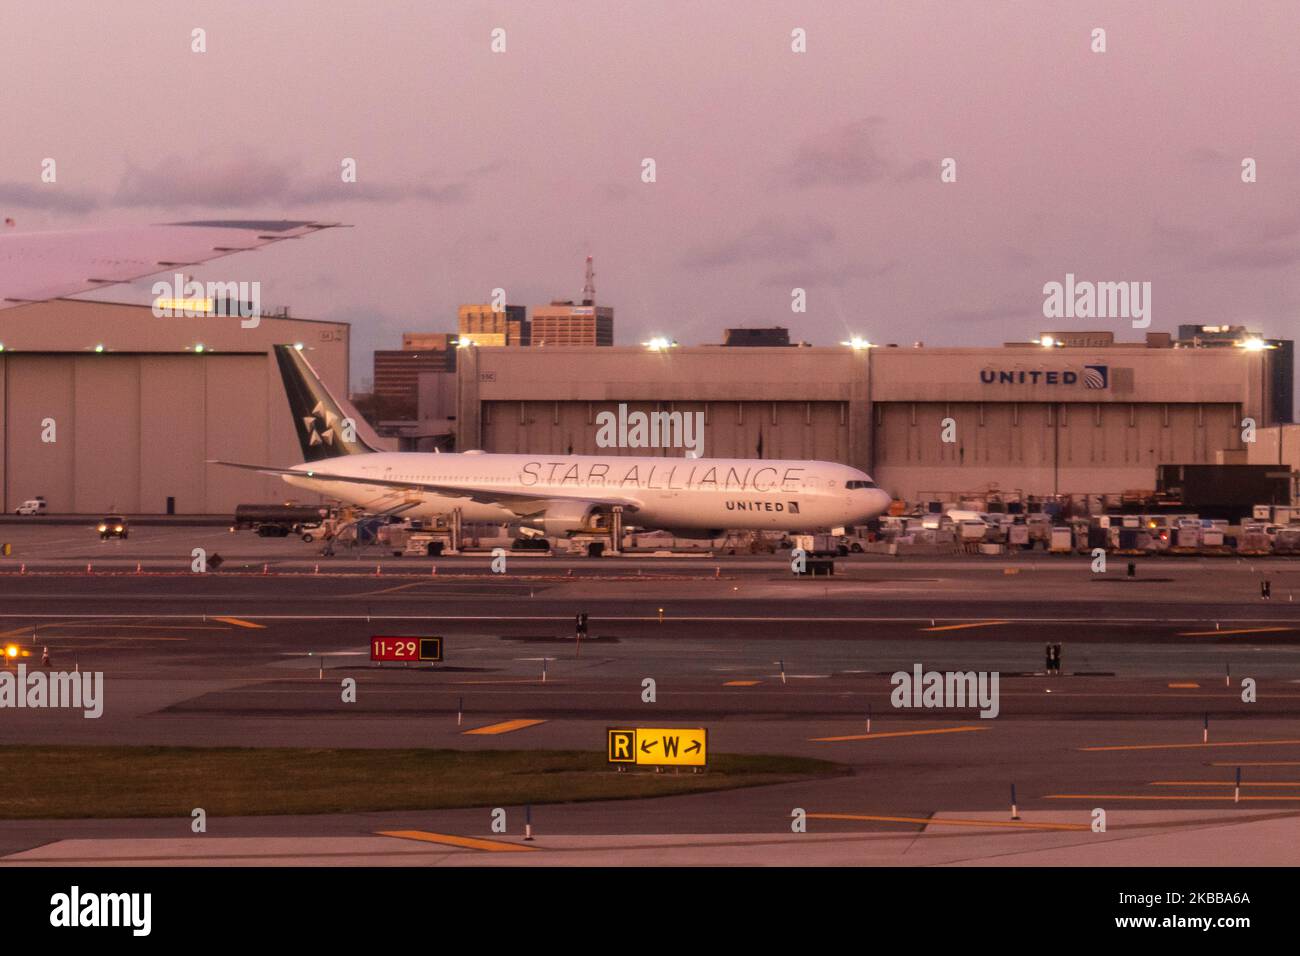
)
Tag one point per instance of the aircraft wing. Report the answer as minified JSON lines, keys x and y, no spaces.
{"x":517,"y":501}
{"x":36,"y":266}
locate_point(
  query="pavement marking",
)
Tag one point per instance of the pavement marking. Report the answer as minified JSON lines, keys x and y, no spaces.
{"x":1227,"y":743}
{"x":1223,"y":783}
{"x":131,"y":627}
{"x":1255,"y":763}
{"x":472,"y":843}
{"x":1239,"y":630}
{"x":930,"y":821}
{"x":240,"y":622}
{"x":962,"y":627}
{"x":105,"y":637}
{"x":741,"y":683}
{"x":506,"y":726}
{"x":898,"y":733}
{"x":568,"y":619}
{"x":1133,"y":796}
{"x":1187,"y":685}
{"x":399,"y":587}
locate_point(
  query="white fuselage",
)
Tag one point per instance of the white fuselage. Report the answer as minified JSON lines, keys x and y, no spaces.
{"x":673,"y":493}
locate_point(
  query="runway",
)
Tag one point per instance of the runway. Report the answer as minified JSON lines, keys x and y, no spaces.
{"x":769,"y":663}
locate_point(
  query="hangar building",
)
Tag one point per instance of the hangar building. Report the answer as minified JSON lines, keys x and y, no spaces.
{"x":1094,"y":418}
{"x":138,"y":405}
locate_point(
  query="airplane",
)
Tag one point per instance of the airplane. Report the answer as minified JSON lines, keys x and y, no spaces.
{"x":696,"y":496}
{"x":690,"y":497}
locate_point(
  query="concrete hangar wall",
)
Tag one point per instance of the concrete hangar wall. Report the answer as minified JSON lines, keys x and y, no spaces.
{"x":136,"y":422}
{"x":1041,"y":421}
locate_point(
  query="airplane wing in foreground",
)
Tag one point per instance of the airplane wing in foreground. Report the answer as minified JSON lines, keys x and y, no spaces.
{"x":37,"y":266}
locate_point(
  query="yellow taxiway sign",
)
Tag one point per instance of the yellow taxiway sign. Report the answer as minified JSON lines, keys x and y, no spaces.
{"x":659,"y":746}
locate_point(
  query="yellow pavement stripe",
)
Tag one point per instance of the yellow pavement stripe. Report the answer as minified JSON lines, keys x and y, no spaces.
{"x":897,"y":733}
{"x":1131,"y":796}
{"x":929,"y":821}
{"x":47,"y":628}
{"x":113,"y":637}
{"x":505,"y":727}
{"x":1184,"y":685}
{"x":1228,"y":743}
{"x":741,"y":683}
{"x":238,"y":622}
{"x":399,"y":587}
{"x":1240,"y":630}
{"x":1223,"y":783}
{"x":959,"y":627}
{"x":491,"y":846}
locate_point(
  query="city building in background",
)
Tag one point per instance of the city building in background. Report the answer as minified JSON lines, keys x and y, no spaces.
{"x":564,"y":323}
{"x":772,"y":337}
{"x":484,"y":326}
{"x":397,"y":372}
{"x":569,"y":323}
{"x":1238,"y":336}
{"x":430,"y":341}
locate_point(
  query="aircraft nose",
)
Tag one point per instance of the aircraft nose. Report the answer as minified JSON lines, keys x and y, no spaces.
{"x":881,"y":499}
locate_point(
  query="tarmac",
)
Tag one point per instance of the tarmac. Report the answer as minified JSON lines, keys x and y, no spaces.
{"x":252,"y":655}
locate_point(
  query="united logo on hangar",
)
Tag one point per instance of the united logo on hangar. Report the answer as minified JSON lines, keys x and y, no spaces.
{"x":1092,"y":376}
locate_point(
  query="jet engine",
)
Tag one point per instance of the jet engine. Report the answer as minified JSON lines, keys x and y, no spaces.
{"x":562,"y":518}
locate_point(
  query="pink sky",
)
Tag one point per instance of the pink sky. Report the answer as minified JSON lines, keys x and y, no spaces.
{"x":775,"y":169}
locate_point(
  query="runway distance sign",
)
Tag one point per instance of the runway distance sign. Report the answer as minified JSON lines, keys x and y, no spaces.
{"x":659,"y":746}
{"x":406,"y":649}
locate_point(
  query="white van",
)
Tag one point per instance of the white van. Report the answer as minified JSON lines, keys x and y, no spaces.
{"x":32,"y":506}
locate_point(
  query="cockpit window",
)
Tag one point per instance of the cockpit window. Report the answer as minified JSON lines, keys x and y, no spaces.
{"x":859,"y":484}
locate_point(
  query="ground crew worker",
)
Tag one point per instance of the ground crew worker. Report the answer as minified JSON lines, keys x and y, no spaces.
{"x":45,"y":657}
{"x":1048,"y":666}
{"x":1056,"y":655}
{"x":1266,"y":589}
{"x":581,"y":624}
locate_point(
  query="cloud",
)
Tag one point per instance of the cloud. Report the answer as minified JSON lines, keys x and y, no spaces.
{"x":49,"y":197}
{"x":834,"y":275}
{"x":998,"y":312}
{"x":616,"y":192}
{"x":1258,"y":245}
{"x":245,"y":181}
{"x":1016,"y":258}
{"x":848,"y":155}
{"x":773,"y":238}
{"x":377,"y":193}
{"x":1208,"y":155}
{"x":1253,"y":256}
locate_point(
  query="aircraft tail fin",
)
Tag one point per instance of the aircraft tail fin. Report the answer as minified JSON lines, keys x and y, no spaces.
{"x":323,"y":430}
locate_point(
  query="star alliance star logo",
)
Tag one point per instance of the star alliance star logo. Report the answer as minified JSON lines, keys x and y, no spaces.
{"x":321,"y":425}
